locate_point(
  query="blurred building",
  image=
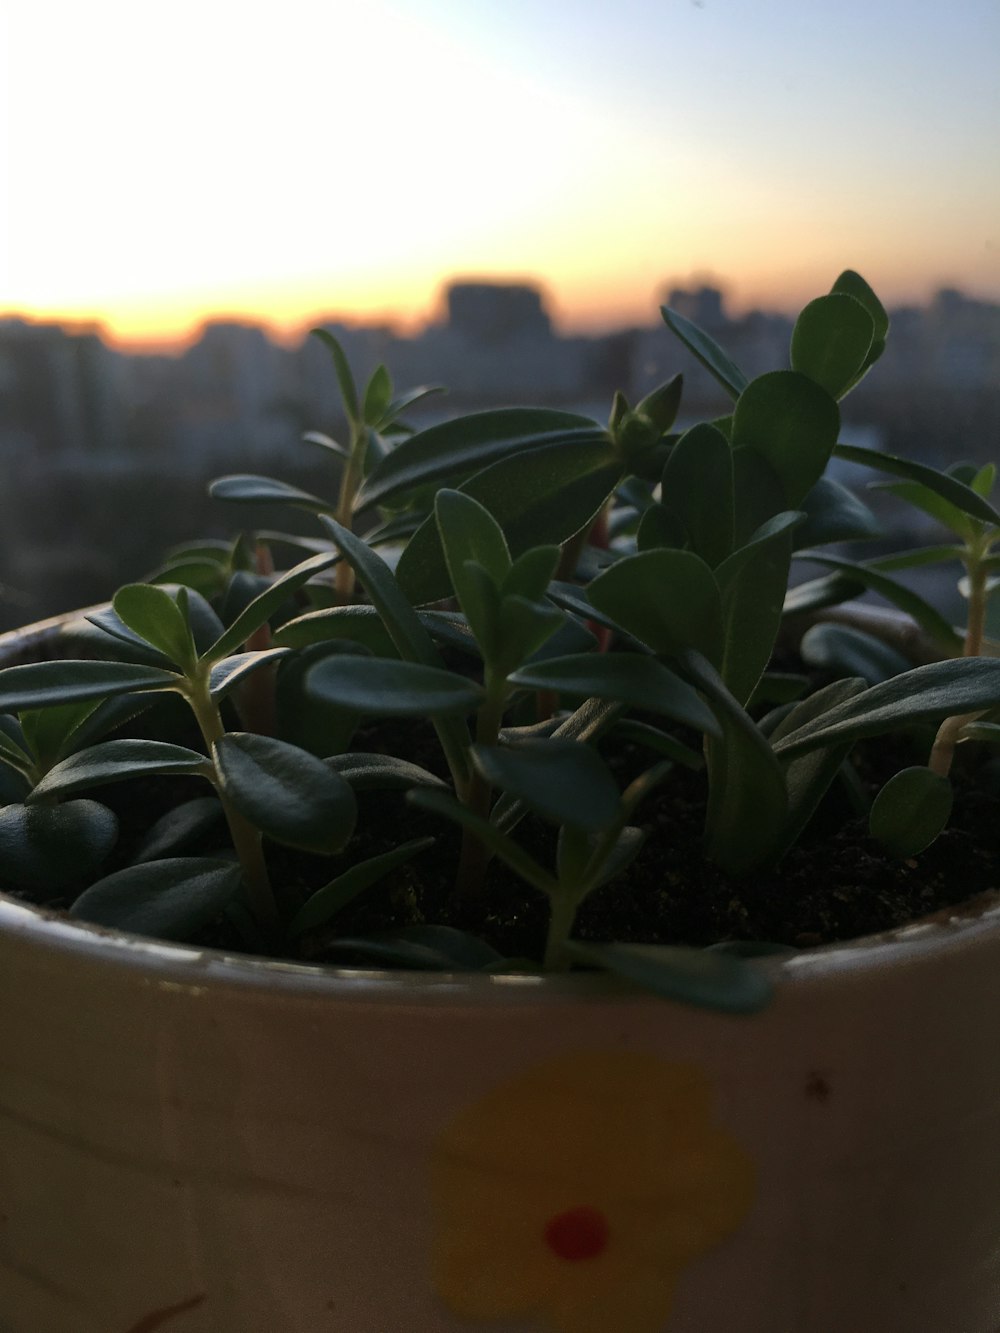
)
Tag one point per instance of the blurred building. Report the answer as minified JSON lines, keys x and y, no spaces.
{"x":496,"y":312}
{"x":62,"y":391}
{"x":111,"y":453}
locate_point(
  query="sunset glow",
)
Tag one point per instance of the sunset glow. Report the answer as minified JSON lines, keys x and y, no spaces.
{"x":163,"y":165}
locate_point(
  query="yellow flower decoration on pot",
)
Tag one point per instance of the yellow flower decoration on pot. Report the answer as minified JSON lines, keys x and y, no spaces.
{"x":578,"y":1192}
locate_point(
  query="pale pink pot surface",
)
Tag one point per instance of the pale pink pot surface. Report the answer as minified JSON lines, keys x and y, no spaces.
{"x":175,"y":1124}
{"x":204,"y":1144}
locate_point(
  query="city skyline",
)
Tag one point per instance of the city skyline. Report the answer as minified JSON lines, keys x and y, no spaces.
{"x":349,"y":159}
{"x":290,"y":331}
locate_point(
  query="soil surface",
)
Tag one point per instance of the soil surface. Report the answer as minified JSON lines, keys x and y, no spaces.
{"x":836,"y":884}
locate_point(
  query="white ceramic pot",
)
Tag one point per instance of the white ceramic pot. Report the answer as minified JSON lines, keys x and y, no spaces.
{"x":208,"y":1144}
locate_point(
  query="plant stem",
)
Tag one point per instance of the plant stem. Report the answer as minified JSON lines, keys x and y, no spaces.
{"x":943,"y":750}
{"x":255,"y":696}
{"x":343,"y":574}
{"x":246,"y":839}
{"x":561,"y":918}
{"x":976,"y":628}
{"x":596,"y":532}
{"x":477,"y":792}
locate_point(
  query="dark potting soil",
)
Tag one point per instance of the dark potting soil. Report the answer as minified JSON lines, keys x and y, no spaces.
{"x":837,"y":884}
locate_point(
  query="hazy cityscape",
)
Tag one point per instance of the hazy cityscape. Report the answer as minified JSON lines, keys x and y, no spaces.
{"x":108,"y":453}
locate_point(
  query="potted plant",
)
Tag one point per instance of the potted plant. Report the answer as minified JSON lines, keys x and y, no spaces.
{"x":424,"y":937}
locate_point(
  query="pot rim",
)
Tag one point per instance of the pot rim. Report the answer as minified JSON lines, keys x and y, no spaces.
{"x":925,"y":940}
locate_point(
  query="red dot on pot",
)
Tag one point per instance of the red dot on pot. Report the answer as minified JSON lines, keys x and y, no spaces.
{"x":578,"y":1233}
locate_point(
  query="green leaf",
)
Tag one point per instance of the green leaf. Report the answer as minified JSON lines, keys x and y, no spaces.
{"x":699,"y":977}
{"x":452,"y":450}
{"x":400,"y":620}
{"x":779,"y":687}
{"x":79,"y":725}
{"x":697,"y":491}
{"x":345,"y":379}
{"x":117,"y":761}
{"x":831,"y":341}
{"x":981,"y":731}
{"x":171,"y":899}
{"x":242,"y":588}
{"x":620,"y":856}
{"x":407,"y":400}
{"x":181,"y":826}
{"x":793,"y":424}
{"x":419,"y":948}
{"x":15,"y":749}
{"x":816,"y":594}
{"x":104,"y":634}
{"x":660,"y":742}
{"x":14,"y":781}
{"x":592,"y":719}
{"x":929,"y":619}
{"x":752,"y":584}
{"x":658,"y":527}
{"x":619,"y":411}
{"x":359,"y":624}
{"x":835,"y":514}
{"x":478,"y":561}
{"x":928,"y":502}
{"x":326,"y":442}
{"x":542,"y":497}
{"x":910,"y":811}
{"x":927,"y":693}
{"x":284,"y":791}
{"x":366,"y":772}
{"x":668,"y":599}
{"x":708,"y":352}
{"x":531,"y":573}
{"x":565,"y":781}
{"x":851,"y":652}
{"x":916,"y":558}
{"x":574,"y":600}
{"x":42,"y":684}
{"x":378,"y":396}
{"x":984,"y":480}
{"x":245,"y":488}
{"x":662,"y":404}
{"x":639,"y":681}
{"x":759,"y":493}
{"x":265,"y":605}
{"x":45,"y":848}
{"x":47,"y":731}
{"x":854,"y":285}
{"x":470,"y":532}
{"x":524,"y":629}
{"x":321,"y":728}
{"x":808,"y":777}
{"x":155,"y":616}
{"x":218,"y":552}
{"x":948,"y":488}
{"x":331,"y":898}
{"x":231,"y":671}
{"x":396,"y":528}
{"x":380,"y":687}
{"x":206,"y":577}
{"x":408,"y":633}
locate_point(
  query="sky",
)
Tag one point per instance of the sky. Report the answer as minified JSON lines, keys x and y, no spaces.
{"x":160,"y":163}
